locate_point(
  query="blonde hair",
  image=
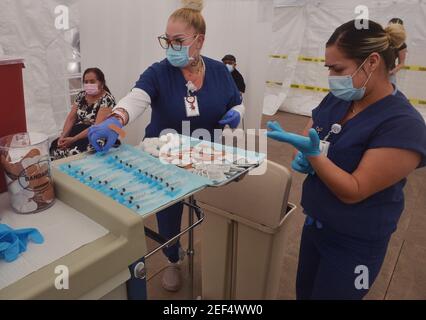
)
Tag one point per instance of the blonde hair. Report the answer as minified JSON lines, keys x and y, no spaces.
{"x":393,"y":37}
{"x":396,"y":34}
{"x":191,"y":14}
{"x":358,"y":43}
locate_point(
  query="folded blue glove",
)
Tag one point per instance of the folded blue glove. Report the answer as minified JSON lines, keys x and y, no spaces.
{"x":231,"y":118}
{"x":309,"y":146}
{"x":10,"y":247}
{"x":25,"y":235}
{"x":302,"y":165}
{"x":104,"y":132}
{"x":14,"y":242}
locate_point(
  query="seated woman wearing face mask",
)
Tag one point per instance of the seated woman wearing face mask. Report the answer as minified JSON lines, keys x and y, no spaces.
{"x":92,"y":106}
{"x":353,"y":197}
{"x":185,"y":86}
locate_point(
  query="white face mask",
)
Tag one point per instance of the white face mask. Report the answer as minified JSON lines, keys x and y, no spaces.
{"x":230,"y":67}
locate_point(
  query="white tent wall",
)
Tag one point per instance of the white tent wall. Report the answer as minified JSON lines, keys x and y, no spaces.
{"x":281,"y":68}
{"x":27,"y":30}
{"x":302,"y":31}
{"x":124,"y":43}
{"x":120,"y":37}
{"x":244,"y":29}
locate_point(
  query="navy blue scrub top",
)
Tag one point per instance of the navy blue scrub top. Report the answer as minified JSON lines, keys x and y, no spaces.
{"x":389,"y":123}
{"x":166,"y":86}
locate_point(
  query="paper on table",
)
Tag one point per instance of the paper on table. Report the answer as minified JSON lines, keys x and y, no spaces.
{"x":63,"y":228}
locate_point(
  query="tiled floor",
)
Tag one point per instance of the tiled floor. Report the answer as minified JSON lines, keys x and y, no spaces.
{"x":403,"y":275}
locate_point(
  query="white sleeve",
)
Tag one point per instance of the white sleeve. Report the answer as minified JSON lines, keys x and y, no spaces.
{"x":135,"y":103}
{"x":240,"y":109}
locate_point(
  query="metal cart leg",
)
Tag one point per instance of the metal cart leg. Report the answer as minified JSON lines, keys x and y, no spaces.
{"x":193,"y":210}
{"x":191,"y":251}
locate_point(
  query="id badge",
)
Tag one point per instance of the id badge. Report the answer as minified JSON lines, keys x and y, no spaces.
{"x":191,"y":106}
{"x":324,"y":147}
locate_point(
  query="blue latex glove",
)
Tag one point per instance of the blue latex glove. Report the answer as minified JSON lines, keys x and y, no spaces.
{"x":231,"y":118}
{"x":14,"y":242}
{"x":26,"y":235}
{"x":302,"y":165}
{"x":103,"y":132}
{"x":10,"y":247}
{"x":309,"y":146}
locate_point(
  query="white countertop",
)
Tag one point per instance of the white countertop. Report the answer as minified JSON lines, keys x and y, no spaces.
{"x":63,"y":228}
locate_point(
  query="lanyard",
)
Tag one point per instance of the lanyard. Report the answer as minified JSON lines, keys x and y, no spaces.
{"x":335,"y":129}
{"x":191,"y":101}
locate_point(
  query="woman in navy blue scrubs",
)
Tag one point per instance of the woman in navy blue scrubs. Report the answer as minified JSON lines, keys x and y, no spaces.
{"x":353,"y":195}
{"x":170,"y":88}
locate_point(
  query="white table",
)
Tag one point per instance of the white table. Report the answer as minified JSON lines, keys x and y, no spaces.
{"x":96,"y":244}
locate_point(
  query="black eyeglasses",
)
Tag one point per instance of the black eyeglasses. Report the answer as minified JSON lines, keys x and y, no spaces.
{"x":176,"y":44}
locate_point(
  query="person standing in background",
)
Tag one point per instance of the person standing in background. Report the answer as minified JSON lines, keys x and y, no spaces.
{"x":231,"y":63}
{"x":400,"y":54}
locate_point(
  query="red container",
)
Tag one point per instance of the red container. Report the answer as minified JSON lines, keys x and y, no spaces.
{"x":12,"y":104}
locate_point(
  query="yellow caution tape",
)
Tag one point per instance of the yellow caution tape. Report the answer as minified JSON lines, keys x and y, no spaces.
{"x":275,"y":83}
{"x":415,"y":68}
{"x":322,"y":60}
{"x":310,"y":59}
{"x":320,"y":89}
{"x":301,"y":58}
{"x":278,"y":56}
{"x":417,"y":102}
{"x":310,"y":88}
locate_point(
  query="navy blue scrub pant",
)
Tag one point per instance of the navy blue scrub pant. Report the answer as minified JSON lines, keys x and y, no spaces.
{"x":169,"y":224}
{"x":331,"y":263}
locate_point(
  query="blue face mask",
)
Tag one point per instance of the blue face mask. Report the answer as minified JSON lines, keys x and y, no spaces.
{"x":343,"y":88}
{"x":181,"y":58}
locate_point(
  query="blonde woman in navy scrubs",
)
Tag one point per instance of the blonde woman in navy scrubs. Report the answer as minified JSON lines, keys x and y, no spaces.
{"x":165,"y":87}
{"x":353,"y":197}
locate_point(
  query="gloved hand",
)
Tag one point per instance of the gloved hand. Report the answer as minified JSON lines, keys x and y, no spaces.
{"x":302,"y":165}
{"x":309,"y":146}
{"x":231,"y":118}
{"x":14,"y":242}
{"x":103,"y":131}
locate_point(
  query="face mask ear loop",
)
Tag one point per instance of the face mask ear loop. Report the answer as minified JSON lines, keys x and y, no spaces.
{"x":359,"y":68}
{"x":192,"y":59}
{"x":368,"y":79}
